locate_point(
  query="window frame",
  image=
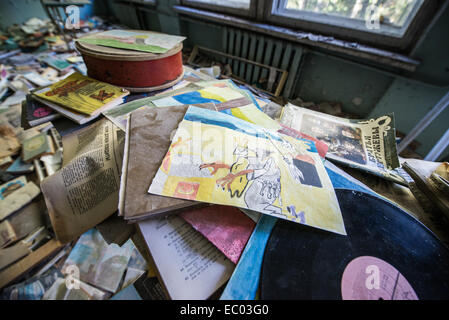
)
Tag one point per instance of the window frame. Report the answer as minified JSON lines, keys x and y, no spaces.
{"x":137,"y":3}
{"x":140,"y":2}
{"x":247,"y":13}
{"x":337,"y":28}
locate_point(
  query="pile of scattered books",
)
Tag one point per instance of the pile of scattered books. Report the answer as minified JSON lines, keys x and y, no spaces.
{"x":169,"y":185}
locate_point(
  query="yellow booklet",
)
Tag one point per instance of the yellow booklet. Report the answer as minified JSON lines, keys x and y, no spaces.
{"x":83,"y":94}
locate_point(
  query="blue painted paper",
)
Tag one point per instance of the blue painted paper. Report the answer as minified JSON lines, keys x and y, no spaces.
{"x":244,"y":282}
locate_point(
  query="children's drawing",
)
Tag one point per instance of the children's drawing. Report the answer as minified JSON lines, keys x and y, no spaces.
{"x":260,"y":170}
{"x":255,"y":167}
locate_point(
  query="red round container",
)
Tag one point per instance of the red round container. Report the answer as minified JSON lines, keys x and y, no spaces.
{"x":133,"y":70}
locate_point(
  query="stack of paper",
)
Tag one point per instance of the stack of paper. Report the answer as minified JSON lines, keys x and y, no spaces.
{"x":209,"y":142}
{"x":80,"y":98}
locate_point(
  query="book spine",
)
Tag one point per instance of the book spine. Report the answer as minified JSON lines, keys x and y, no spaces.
{"x":56,"y":138}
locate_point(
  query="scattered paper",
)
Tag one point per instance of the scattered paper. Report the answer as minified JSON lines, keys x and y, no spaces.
{"x":99,"y":264}
{"x":17,"y":199}
{"x":85,"y":191}
{"x":146,"y":41}
{"x":220,"y":159}
{"x":191,"y":267}
{"x":369,"y":145}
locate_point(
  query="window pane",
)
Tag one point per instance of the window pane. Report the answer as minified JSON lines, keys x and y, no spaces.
{"x":396,"y":13}
{"x":238,"y":4}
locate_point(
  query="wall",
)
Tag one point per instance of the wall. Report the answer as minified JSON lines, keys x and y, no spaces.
{"x":19,"y":11}
{"x":411,"y":98}
{"x":362,"y":90}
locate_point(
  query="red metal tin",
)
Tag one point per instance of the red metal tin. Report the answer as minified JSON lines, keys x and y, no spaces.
{"x":133,"y":70}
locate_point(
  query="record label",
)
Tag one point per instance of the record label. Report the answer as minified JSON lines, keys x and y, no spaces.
{"x":41,"y":112}
{"x":371,"y":278}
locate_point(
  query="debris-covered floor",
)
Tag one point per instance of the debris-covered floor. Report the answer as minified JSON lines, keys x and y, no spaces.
{"x":33,"y":264}
{"x":170,"y":193}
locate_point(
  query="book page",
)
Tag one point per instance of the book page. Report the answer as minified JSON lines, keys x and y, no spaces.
{"x":189,"y":266}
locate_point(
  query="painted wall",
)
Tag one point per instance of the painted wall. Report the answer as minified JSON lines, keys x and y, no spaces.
{"x":19,"y":11}
{"x":411,"y":98}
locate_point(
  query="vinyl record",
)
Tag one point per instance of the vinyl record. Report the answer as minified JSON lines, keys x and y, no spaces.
{"x":387,"y":255}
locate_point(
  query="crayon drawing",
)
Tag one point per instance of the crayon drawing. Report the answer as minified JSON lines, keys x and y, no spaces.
{"x":220,"y":159}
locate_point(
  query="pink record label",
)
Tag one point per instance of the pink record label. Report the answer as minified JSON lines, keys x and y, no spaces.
{"x":41,"y":112}
{"x":370,"y":278}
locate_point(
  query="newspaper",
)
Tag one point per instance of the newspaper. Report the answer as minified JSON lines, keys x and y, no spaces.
{"x":85,"y":191}
{"x":368,"y":145}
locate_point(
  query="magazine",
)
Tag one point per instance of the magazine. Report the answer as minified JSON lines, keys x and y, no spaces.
{"x":368,"y":145}
{"x":82,"y":94}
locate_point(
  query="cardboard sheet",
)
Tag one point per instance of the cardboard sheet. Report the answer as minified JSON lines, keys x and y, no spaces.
{"x":18,"y":199}
{"x":149,"y":138}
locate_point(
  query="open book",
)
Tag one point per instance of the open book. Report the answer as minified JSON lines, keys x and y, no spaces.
{"x":189,"y":266}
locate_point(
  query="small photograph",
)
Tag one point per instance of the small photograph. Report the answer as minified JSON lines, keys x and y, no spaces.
{"x":344,"y":141}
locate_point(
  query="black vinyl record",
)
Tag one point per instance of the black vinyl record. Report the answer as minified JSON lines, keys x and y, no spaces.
{"x":387,"y":254}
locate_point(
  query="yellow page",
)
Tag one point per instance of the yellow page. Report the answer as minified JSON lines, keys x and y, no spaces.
{"x":81,"y":93}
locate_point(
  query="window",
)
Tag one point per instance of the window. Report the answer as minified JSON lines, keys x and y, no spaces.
{"x":385,"y":23}
{"x":390,"y":16}
{"x":238,"y":4}
{"x":245,"y":8}
{"x":150,"y":2}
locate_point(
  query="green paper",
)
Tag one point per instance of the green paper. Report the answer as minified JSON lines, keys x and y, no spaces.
{"x":117,"y":44}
